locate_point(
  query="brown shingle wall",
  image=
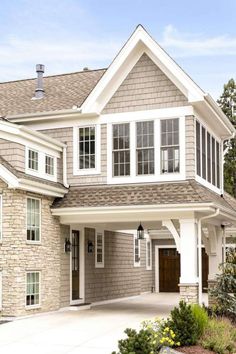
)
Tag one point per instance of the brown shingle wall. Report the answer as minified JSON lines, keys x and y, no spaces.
{"x":145,"y":87}
{"x":13,"y":153}
{"x":65,"y":135}
{"x":119,"y":277}
{"x":190,"y":146}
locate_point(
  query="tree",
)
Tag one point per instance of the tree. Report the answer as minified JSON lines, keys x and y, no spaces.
{"x":227,"y":102}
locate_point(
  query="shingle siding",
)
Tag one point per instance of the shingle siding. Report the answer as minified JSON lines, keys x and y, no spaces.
{"x":146,"y":87}
{"x":190,"y":147}
{"x":13,"y":153}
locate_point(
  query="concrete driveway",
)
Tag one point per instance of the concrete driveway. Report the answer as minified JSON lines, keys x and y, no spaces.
{"x":94,"y":331}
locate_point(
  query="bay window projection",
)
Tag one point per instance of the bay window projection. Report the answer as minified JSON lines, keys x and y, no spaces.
{"x":87,"y":137}
{"x":170,"y":145}
{"x":33,"y":220}
{"x":145,"y":148}
{"x":121,"y":149}
{"x":208,"y":156}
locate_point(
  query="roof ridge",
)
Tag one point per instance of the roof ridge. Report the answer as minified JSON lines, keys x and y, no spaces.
{"x":54,"y":75}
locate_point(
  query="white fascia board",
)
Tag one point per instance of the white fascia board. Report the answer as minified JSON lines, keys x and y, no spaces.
{"x":41,"y":188}
{"x":9,"y":178}
{"x":140,"y":42}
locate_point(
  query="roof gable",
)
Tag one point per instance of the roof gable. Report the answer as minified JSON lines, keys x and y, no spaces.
{"x":145,"y":87}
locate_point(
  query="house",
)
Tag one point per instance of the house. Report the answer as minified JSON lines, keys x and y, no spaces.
{"x":88,"y":158}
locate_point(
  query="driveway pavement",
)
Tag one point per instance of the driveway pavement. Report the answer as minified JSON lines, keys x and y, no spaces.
{"x":94,"y":331}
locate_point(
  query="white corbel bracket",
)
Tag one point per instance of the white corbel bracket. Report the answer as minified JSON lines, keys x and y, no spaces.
{"x":171,"y":227}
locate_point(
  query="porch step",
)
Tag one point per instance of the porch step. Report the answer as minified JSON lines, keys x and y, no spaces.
{"x":80,"y":307}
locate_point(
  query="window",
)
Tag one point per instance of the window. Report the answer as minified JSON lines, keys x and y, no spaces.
{"x":170,"y":145}
{"x":208,"y":156}
{"x":99,"y":250}
{"x":32,"y":289}
{"x":49,"y":165}
{"x":0,"y":290}
{"x":87,"y":148}
{"x":33,"y":158}
{"x":145,"y":148}
{"x":0,"y":218}
{"x":148,"y":254}
{"x":33,"y":219}
{"x":121,"y":150}
{"x":136,"y":251}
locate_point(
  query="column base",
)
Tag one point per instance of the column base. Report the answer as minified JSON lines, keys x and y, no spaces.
{"x":189,"y":293}
{"x":211,"y":299}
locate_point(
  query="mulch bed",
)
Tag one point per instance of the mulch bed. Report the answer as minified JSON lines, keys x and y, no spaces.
{"x":195,"y":349}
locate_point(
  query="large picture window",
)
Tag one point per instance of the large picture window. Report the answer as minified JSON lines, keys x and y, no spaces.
{"x":32,"y":288}
{"x":145,"y":148}
{"x":170,"y":145}
{"x":33,"y":220}
{"x":121,"y":149}
{"x":87,"y":148}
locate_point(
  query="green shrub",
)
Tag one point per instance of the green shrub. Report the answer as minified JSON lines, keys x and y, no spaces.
{"x":183,"y":324}
{"x":219,"y":336}
{"x":152,"y":336}
{"x":201,"y":318}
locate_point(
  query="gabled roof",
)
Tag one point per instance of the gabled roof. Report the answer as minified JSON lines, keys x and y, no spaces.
{"x":61,"y":92}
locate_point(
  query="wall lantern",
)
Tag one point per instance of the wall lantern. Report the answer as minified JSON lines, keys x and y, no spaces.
{"x":140,"y":232}
{"x":67,"y":245}
{"x":90,"y":247}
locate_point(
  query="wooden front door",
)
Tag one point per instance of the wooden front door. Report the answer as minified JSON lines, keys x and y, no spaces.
{"x":169,"y":270}
{"x":75,"y":265}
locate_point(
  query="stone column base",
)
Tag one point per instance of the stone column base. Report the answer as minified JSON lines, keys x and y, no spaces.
{"x":211,"y":299}
{"x":189,"y":293}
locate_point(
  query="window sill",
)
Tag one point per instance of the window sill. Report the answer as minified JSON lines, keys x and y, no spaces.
{"x":33,"y":307}
{"x":86,"y":172}
{"x":137,"y":265}
{"x":38,"y":243}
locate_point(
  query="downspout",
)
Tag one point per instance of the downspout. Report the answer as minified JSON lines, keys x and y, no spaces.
{"x":64,"y":160}
{"x":216,"y":212}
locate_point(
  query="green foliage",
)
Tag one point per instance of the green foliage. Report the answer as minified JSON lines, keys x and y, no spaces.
{"x":184,"y":325}
{"x":224,"y":291}
{"x":227,"y":102}
{"x":201,"y":318}
{"x":219,"y":336}
{"x":152,"y":336}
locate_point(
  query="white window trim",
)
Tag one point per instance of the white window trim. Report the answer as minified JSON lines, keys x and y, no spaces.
{"x":137,"y":264}
{"x":157,"y":176}
{"x":99,"y":264}
{"x":1,"y":215}
{"x":54,"y":163}
{"x":0,"y":290}
{"x":41,"y":165}
{"x":40,"y":222}
{"x":148,"y":240}
{"x":88,"y":171}
{"x":29,"y":307}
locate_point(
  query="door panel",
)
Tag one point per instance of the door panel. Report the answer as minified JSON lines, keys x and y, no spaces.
{"x":75,"y":265}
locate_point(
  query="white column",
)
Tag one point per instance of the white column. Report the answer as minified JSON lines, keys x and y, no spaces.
{"x":188,"y":251}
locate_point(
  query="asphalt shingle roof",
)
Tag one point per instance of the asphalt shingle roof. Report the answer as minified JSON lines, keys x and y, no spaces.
{"x":142,"y":194}
{"x":61,"y":92}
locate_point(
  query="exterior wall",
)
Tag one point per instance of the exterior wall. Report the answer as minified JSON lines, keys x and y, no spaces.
{"x":146,"y":87}
{"x":14,"y":153}
{"x":64,"y":268}
{"x":190,"y":147}
{"x":119,"y":277}
{"x":65,"y":135}
{"x":17,"y":256}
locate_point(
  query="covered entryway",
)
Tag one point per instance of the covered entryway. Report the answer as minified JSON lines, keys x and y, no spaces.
{"x":169,"y":269}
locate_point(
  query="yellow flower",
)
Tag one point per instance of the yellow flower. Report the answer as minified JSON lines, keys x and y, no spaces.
{"x":178,"y":343}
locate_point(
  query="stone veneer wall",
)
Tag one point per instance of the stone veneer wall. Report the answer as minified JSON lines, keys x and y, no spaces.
{"x":17,"y":256}
{"x":119,"y":277}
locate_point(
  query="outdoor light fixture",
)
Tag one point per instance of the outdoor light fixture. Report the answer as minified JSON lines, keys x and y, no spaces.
{"x":67,"y":245}
{"x":90,"y":247}
{"x":140,"y":232}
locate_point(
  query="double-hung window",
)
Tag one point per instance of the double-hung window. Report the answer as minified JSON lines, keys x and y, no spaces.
{"x":33,"y":160}
{"x":0,"y":218}
{"x":32,"y":289}
{"x":148,"y":254}
{"x":121,"y":149}
{"x":33,"y":220}
{"x":145,"y":148}
{"x":170,"y":145}
{"x":87,"y":147}
{"x":49,"y":165}
{"x":136,"y":251}
{"x":99,"y":249}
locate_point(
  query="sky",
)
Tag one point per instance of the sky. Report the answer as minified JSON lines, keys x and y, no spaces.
{"x":68,"y":35}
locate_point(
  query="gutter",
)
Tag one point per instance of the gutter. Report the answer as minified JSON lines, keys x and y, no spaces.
{"x":217,"y":212}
